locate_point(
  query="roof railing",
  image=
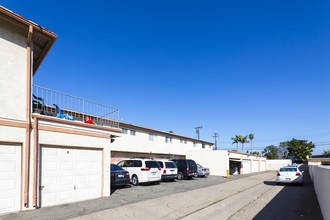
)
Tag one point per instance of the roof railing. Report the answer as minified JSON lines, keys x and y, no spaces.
{"x":57,"y":104}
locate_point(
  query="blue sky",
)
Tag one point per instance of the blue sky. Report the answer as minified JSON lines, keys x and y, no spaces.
{"x":233,"y":67}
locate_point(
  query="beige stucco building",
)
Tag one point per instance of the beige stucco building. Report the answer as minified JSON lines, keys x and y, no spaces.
{"x":50,"y":156}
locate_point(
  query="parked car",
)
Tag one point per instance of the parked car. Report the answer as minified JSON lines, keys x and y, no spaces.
{"x":187,"y":168}
{"x":142,"y":170}
{"x":289,"y":174}
{"x":202,"y":171}
{"x":168,"y":169}
{"x":119,"y":176}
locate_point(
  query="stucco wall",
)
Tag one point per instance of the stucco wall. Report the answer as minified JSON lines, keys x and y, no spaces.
{"x":13,"y":72}
{"x":140,"y":143}
{"x":321,"y":180}
{"x":277,"y":164}
{"x":217,"y":161}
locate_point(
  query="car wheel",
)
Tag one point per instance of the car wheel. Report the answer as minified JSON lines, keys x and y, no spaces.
{"x":180,"y":176}
{"x":135,"y":180}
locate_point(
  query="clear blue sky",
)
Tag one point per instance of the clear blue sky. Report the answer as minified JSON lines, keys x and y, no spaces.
{"x":233,"y":67}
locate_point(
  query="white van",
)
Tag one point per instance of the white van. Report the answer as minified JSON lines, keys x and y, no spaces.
{"x":142,"y":170}
{"x":169,"y":170}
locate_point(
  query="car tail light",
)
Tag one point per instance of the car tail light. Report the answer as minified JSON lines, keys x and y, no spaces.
{"x":145,"y":169}
{"x":297,"y":174}
{"x":159,"y":168}
{"x":112,"y":175}
{"x":164,"y":171}
{"x":127,"y":175}
{"x":187,"y":169}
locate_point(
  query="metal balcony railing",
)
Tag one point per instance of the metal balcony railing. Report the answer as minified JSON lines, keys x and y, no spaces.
{"x":57,"y":104}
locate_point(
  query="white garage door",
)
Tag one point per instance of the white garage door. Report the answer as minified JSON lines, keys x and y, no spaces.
{"x":255,"y":166}
{"x":70,"y":175}
{"x":246,"y":167}
{"x":10,"y":177}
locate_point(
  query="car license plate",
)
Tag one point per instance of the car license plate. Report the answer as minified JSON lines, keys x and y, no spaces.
{"x":287,"y":179}
{"x":153,"y":173}
{"x":120,"y":175}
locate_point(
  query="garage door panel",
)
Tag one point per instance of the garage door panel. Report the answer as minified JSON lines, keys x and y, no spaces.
{"x":75,"y":168}
{"x":6,"y":204}
{"x":10,"y":177}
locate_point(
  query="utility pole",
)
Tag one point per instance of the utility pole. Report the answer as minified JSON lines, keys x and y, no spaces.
{"x":197,"y":131}
{"x":215,"y":140}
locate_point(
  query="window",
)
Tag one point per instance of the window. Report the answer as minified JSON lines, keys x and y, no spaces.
{"x":168,"y":139}
{"x":132,"y":132}
{"x":124,"y":131}
{"x":194,"y":144}
{"x":203,"y":145}
{"x":182,"y":141}
{"x":152,"y":137}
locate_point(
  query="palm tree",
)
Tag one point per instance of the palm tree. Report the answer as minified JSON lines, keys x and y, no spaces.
{"x":243,"y":140}
{"x":235,"y":141}
{"x":251,"y":136}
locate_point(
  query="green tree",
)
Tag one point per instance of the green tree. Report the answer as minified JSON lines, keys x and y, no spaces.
{"x":326,"y":152}
{"x":251,"y":136}
{"x":243,"y":139}
{"x":255,"y":153}
{"x":235,"y":141}
{"x":299,"y":149}
{"x":270,"y":152}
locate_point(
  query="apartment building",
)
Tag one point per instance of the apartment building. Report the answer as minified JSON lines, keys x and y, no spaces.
{"x":49,"y":155}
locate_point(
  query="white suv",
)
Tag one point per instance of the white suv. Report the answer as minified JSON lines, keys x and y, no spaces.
{"x":142,"y":170}
{"x":169,"y":170}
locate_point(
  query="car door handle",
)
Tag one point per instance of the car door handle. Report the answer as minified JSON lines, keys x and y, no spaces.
{"x":41,"y":187}
{"x":74,"y":187}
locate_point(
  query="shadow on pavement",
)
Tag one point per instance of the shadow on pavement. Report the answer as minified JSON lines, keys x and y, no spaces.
{"x":293,"y":201}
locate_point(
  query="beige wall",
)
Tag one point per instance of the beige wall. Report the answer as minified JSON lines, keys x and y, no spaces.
{"x":277,"y":164}
{"x":320,"y":177}
{"x":217,"y":161}
{"x":141,"y":143}
{"x":13,"y":72}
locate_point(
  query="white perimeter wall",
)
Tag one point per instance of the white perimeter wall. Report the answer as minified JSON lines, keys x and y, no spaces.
{"x":277,"y":164}
{"x":13,"y":72}
{"x":321,"y":178}
{"x":217,"y":161}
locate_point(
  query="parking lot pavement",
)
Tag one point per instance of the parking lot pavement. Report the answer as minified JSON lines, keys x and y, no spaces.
{"x":187,"y":204}
{"x":120,"y":197}
{"x":200,"y":198}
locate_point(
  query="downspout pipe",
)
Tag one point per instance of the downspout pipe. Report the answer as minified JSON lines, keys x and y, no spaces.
{"x":29,"y":49}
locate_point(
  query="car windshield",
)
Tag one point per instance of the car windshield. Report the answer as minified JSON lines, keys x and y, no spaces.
{"x":161,"y":164}
{"x":288,"y":169}
{"x":192,"y":164}
{"x":115,"y":167}
{"x":152,"y":164}
{"x":170,"y":165}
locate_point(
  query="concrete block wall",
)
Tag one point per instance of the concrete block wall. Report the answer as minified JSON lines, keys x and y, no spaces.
{"x":277,"y":164}
{"x":320,"y":176}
